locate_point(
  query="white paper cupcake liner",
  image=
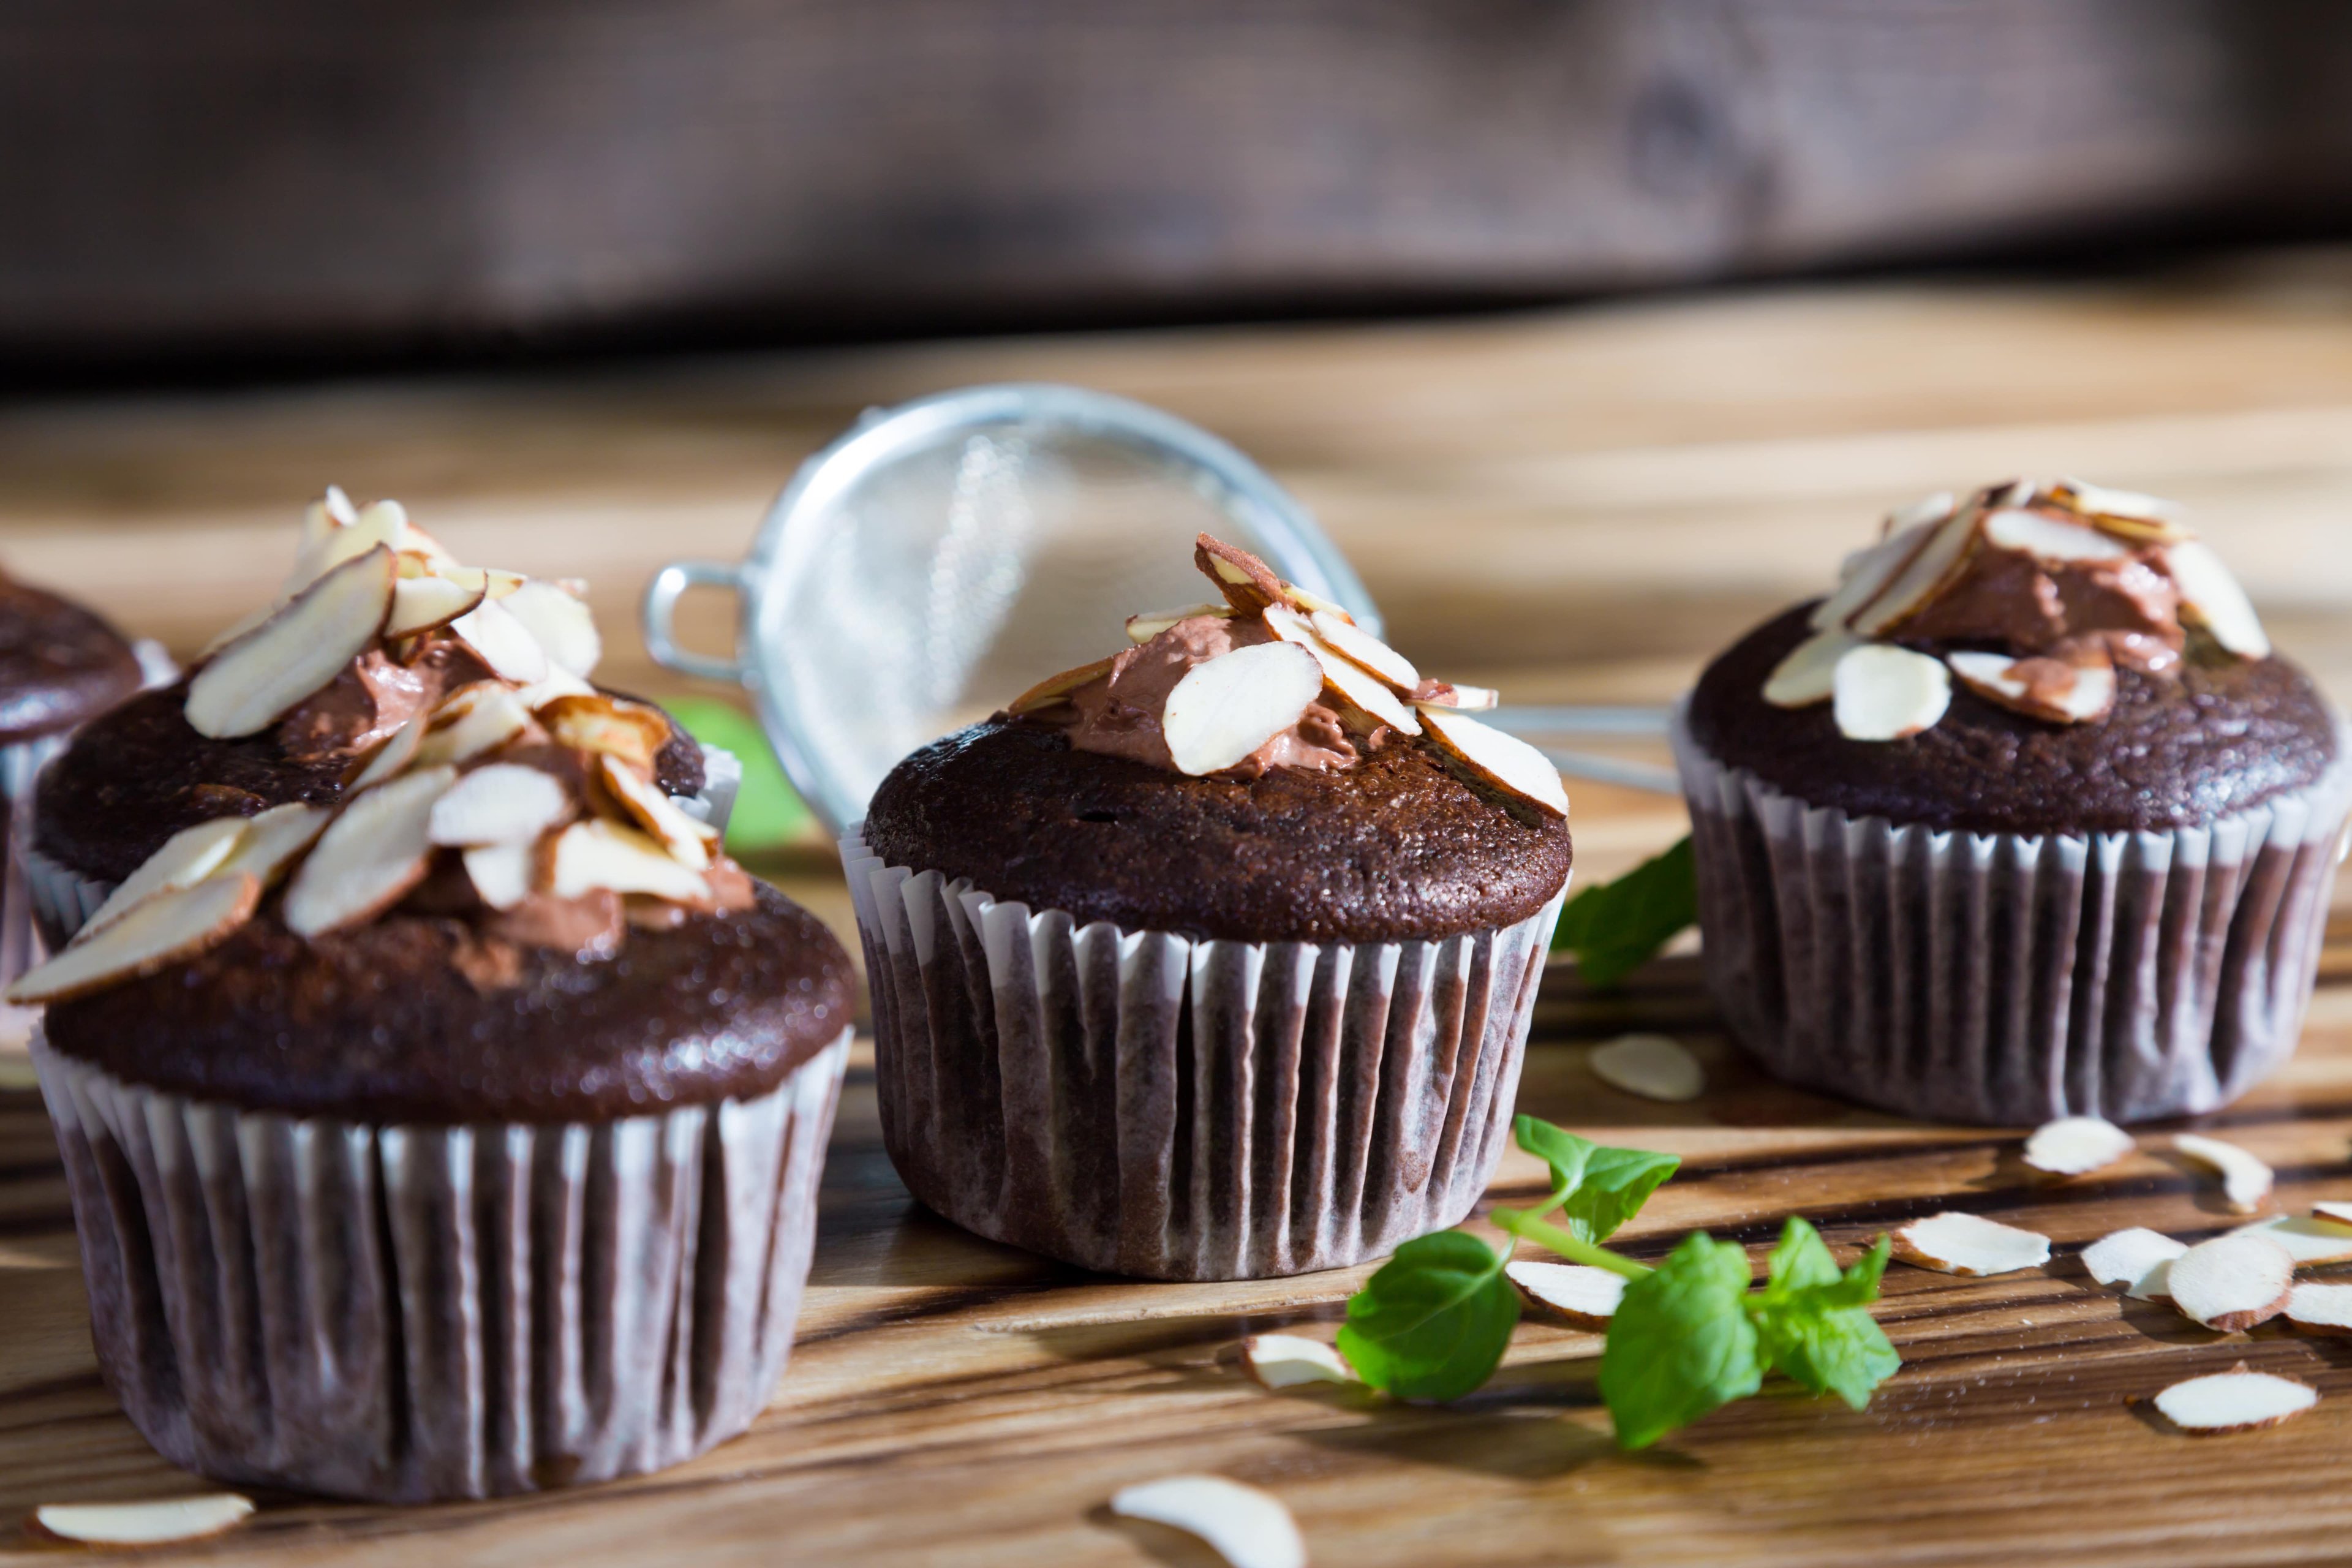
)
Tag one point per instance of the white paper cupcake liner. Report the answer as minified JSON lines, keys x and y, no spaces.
{"x":61,"y":900}
{"x":2007,"y":978}
{"x":412,"y":1313}
{"x":1144,"y":1104}
{"x":19,"y":766}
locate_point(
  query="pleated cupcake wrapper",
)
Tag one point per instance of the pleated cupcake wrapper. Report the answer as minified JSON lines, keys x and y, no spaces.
{"x":2009,"y":978}
{"x":20,"y":765}
{"x":62,"y":900}
{"x":406,"y":1313}
{"x":1143,"y":1104}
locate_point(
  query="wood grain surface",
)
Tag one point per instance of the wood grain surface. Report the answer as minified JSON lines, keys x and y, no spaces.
{"x":1571,"y":506}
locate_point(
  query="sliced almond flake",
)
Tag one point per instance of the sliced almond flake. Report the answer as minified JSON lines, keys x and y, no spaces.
{"x":1246,"y":1527}
{"x":1056,"y":689}
{"x":1307,"y":599}
{"x":1142,"y":629}
{"x":2245,"y":1179}
{"x":129,"y":1526}
{"x":595,"y":722}
{"x":1371,"y":652}
{"x":1887,"y":693}
{"x":563,"y":624}
{"x":2128,"y":514}
{"x":560,"y":682}
{"x":2310,"y":1242}
{"x":502,"y":642}
{"x":378,"y":525}
{"x":2076,"y":1146}
{"x":1357,"y":687}
{"x":1286,"y":1360}
{"x":2232,"y":1283}
{"x":186,"y":859}
{"x":1928,"y":509}
{"x":2339,"y":1211}
{"x":377,"y":849}
{"x":162,"y":931}
{"x":1452,"y":694}
{"x":1967,"y":1243}
{"x":1656,"y":1067}
{"x":252,"y":682}
{"x":1807,"y":674}
{"x":1574,"y":1293}
{"x":2050,"y":538}
{"x":489,"y":719}
{"x":688,"y":840}
{"x":2090,"y":696}
{"x":503,"y":874}
{"x":1499,"y":758}
{"x":2234,"y":1401}
{"x":2156,"y":1285}
{"x":504,"y":803}
{"x":2127,"y":1257}
{"x":2320,"y":1308}
{"x":1227,"y":707}
{"x":596,"y":854}
{"x":273,"y":839}
{"x":1866,"y":574}
{"x":1934,"y":564}
{"x":395,"y":753}
{"x":423,"y":602}
{"x":2210,"y":595}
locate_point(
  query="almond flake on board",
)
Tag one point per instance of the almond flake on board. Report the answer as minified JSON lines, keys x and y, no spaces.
{"x":1656,"y":1067}
{"x":251,"y":682}
{"x":1971,"y":1245}
{"x":1354,"y":642}
{"x":1286,"y":1360}
{"x":501,"y":641}
{"x":2320,"y":1308}
{"x":187,"y":858}
{"x":562,"y":623}
{"x":131,"y":1525}
{"x":2127,"y":1258}
{"x":1142,"y":629}
{"x":161,"y":932}
{"x":2245,"y":1179}
{"x":2234,"y":1401}
{"x":1227,"y":707}
{"x":2232,"y":1283}
{"x":1575,"y":1293}
{"x":1246,"y":1527}
{"x":2089,"y":695}
{"x":504,"y":803}
{"x":2310,"y":1242}
{"x":1807,"y":673}
{"x":1498,"y":757}
{"x":1885,"y":693}
{"x":2212,"y":595}
{"x":2076,"y":1146}
{"x":378,"y":847}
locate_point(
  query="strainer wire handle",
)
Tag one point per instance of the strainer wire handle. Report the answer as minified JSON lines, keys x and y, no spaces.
{"x":661,"y":606}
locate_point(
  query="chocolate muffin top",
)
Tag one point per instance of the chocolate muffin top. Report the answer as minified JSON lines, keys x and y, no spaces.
{"x":141,"y":774}
{"x":59,"y":664}
{"x":379,"y":1023}
{"x":1399,"y":848}
{"x":2176,"y":749}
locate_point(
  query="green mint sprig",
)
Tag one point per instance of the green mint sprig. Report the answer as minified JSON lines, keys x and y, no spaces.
{"x":1690,"y":1336}
{"x":1614,"y":928}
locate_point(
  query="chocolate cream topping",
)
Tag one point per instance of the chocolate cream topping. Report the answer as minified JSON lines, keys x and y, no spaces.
{"x":1118,"y":713}
{"x":2123,"y":609}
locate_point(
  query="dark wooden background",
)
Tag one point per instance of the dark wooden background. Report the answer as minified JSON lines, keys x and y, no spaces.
{"x":266,"y":174}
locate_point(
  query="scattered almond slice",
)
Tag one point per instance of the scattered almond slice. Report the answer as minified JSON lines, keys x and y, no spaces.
{"x":2232,"y":1283}
{"x":596,"y":722}
{"x":1656,"y":1067}
{"x":688,"y":840}
{"x":501,"y":641}
{"x":504,"y":803}
{"x":250,"y":683}
{"x":488,"y":718}
{"x":2310,"y":1242}
{"x":396,"y":753}
{"x":2341,"y":1213}
{"x":1807,"y":674}
{"x":1866,"y":573}
{"x":187,"y":858}
{"x":378,"y":847}
{"x":2076,"y":1146}
{"x":1575,"y":1293}
{"x":1499,"y":758}
{"x":1054,"y":689}
{"x":1971,"y":1245}
{"x":503,"y":874}
{"x":2126,"y":1257}
{"x":1246,"y":1527}
{"x":2245,"y":1179}
{"x":421,"y":603}
{"x":1450,"y":694}
{"x":1353,"y":642}
{"x":1227,"y":707}
{"x":1924,"y":573}
{"x":1142,"y":629}
{"x":2047,"y":538}
{"x":2090,"y":696}
{"x":160,"y":932}
{"x":2156,"y":1285}
{"x":596,"y":854}
{"x":1885,"y":693}
{"x":2320,"y":1308}
{"x":563,"y":624}
{"x":2234,"y":1401}
{"x":272,"y":838}
{"x":130,"y":1525}
{"x":2210,"y":592}
{"x":1356,"y":687}
{"x":1286,"y":1360}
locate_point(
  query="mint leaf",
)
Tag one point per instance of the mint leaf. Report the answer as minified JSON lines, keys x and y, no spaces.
{"x":1615,"y":928}
{"x":1681,"y":1344}
{"x":1597,"y":1188}
{"x":1433,"y":1322}
{"x":1811,"y":1324}
{"x":768,"y":813}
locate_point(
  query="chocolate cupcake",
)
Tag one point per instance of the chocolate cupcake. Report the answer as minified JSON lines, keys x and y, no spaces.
{"x":165,"y":762}
{"x":1212,"y":959}
{"x":60,"y":665}
{"x":458,"y":1133}
{"x":2025,"y":820}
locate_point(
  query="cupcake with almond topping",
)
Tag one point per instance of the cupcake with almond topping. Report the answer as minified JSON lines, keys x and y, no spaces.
{"x":457,"y":1132}
{"x":180,"y":755}
{"x":2023,"y":820}
{"x":1215,"y":958}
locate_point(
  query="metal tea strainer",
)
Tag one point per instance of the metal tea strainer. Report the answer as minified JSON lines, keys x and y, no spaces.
{"x":947,"y":553}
